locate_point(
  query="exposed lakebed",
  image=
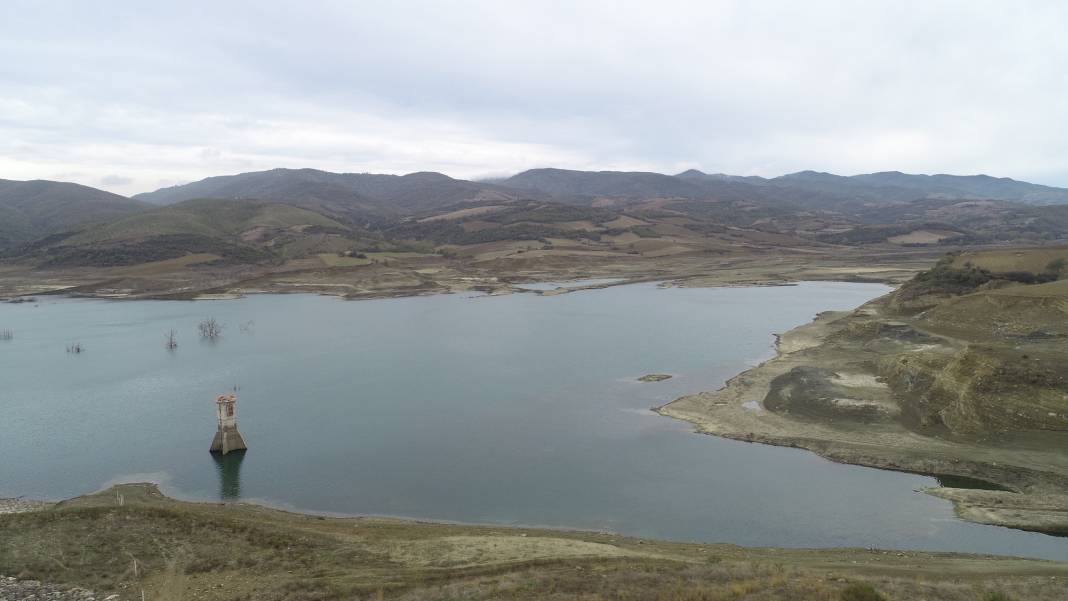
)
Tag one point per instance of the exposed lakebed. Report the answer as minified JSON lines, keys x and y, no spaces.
{"x":514,"y":409}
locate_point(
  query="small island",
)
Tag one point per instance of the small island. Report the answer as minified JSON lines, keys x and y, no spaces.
{"x":654,"y":377}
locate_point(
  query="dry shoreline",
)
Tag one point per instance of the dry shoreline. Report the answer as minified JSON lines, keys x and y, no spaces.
{"x":1036,"y":482}
{"x":436,"y":275}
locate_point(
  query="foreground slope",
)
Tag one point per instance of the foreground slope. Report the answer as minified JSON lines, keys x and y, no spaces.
{"x":236,"y":551}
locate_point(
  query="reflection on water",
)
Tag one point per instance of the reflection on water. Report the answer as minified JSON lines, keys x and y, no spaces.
{"x":229,"y":468}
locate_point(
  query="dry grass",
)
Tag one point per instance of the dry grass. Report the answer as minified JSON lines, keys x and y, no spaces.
{"x":463,"y":213}
{"x":158,"y":267}
{"x":1033,"y":260}
{"x":922,"y":237}
{"x":625,"y":221}
{"x":1053,"y":290}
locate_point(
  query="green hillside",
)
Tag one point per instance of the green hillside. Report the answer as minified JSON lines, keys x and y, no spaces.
{"x":238,"y":231}
{"x":32,"y":209}
{"x":211,"y":218}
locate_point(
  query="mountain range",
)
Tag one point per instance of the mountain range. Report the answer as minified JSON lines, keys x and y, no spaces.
{"x":426,"y":190}
{"x":810,"y":187}
{"x":282,"y":213}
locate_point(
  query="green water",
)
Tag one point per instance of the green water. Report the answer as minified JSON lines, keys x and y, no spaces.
{"x":516,"y":410}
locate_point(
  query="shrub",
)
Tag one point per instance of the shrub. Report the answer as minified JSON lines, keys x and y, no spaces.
{"x":996,"y":596}
{"x":156,"y":248}
{"x":1056,"y":266}
{"x":1026,"y":277}
{"x":861,"y":591}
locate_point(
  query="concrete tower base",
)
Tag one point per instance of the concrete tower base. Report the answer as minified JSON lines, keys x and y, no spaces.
{"x":226,"y":440}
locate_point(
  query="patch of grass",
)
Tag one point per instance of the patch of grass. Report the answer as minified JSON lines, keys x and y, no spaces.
{"x":1057,"y":266}
{"x":654,"y":377}
{"x":336,"y":260}
{"x":860,"y":591}
{"x":158,"y":248}
{"x":950,"y":276}
{"x":1034,"y":259}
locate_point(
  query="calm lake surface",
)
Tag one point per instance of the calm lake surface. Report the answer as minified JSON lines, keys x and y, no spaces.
{"x":518,"y":409}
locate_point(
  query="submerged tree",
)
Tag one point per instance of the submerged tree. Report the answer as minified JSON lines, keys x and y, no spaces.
{"x":6,"y":335}
{"x":172,"y":340}
{"x":210,"y":328}
{"x":75,"y":348}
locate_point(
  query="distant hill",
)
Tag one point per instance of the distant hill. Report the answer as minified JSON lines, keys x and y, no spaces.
{"x":32,"y":209}
{"x":282,"y":215}
{"x":972,"y":186}
{"x":206,"y":217}
{"x":364,"y":198}
{"x":903,"y":187}
{"x":242,"y":231}
{"x":354,"y":197}
{"x":564,"y":183}
{"x":812,"y":189}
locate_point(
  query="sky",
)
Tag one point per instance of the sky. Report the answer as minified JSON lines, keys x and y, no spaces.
{"x":133,"y":96}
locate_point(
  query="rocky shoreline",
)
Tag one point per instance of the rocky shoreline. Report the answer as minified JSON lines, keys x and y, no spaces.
{"x":822,"y":392}
{"x":20,"y":505}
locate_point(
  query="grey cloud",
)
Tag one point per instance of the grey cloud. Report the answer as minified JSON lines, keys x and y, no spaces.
{"x":183,"y":91}
{"x":113,"y":181}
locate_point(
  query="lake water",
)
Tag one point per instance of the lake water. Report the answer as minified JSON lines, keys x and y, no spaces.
{"x":516,"y":409}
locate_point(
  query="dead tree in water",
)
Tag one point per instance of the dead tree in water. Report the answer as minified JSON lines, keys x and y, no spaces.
{"x":209,"y":328}
{"x":75,"y":348}
{"x":172,"y":340}
{"x":6,"y":335}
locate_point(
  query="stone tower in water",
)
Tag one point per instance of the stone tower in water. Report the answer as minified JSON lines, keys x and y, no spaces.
{"x":227,"y":438}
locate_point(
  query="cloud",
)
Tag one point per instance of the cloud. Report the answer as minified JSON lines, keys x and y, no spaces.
{"x":114,"y":181}
{"x":177,"y":93}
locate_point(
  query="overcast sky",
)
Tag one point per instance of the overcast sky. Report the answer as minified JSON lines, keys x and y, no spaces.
{"x":130,"y":97}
